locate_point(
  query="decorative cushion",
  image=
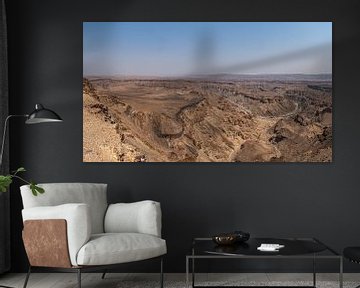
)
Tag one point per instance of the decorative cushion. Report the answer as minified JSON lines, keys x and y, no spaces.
{"x":92,"y":194}
{"x":138,"y":217}
{"x":113,"y":248}
{"x":352,"y":253}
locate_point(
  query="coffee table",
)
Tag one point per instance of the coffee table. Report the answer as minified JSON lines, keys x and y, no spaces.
{"x":295,"y":248}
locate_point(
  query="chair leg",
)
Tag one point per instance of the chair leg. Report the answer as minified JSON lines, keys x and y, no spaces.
{"x":103,"y":275}
{"x":79,"y":277}
{"x":27,"y":277}
{"x":161,"y":272}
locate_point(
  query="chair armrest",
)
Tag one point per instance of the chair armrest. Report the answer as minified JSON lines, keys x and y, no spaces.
{"x":52,"y":250}
{"x":78,"y":223}
{"x":138,"y":217}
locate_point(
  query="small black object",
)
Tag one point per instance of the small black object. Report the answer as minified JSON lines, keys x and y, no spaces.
{"x":241,"y":236}
{"x":352,"y":253}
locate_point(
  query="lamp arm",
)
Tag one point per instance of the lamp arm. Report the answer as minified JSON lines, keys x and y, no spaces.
{"x":4,"y":134}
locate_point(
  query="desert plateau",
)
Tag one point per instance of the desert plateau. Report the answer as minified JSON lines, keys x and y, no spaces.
{"x":212,"y":118}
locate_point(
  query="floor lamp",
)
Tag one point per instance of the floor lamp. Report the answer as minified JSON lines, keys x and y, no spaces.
{"x":39,"y":115}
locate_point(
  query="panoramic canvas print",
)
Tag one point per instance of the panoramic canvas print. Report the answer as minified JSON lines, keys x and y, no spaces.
{"x":207,"y":92}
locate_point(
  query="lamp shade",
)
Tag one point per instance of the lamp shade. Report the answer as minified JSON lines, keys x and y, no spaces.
{"x":42,"y":115}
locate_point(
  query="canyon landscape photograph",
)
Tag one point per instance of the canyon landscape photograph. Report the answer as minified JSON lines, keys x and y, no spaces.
{"x":207,"y":92}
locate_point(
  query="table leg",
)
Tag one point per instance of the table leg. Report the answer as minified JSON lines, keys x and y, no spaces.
{"x":193,"y":267}
{"x":341,"y":273}
{"x":187,"y":272}
{"x":314,"y":271}
{"x":193,"y":272}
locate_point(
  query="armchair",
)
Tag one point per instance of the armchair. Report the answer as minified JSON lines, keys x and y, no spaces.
{"x":71,"y":228}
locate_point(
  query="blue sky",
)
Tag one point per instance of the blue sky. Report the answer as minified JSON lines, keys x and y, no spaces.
{"x":183,"y":48}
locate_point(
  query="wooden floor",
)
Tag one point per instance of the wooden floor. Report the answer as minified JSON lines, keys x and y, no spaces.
{"x":114,"y":280}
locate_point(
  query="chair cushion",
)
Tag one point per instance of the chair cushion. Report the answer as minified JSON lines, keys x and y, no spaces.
{"x":137,"y":217}
{"x":352,"y":253}
{"x":114,"y":248}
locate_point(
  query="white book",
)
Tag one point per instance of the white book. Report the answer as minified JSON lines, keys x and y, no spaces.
{"x":270,"y":247}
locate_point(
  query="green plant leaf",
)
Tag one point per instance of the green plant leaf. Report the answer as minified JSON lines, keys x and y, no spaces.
{"x":32,"y":187}
{"x":36,"y":189}
{"x":39,"y":189}
{"x":5,"y":182}
{"x":20,"y":169}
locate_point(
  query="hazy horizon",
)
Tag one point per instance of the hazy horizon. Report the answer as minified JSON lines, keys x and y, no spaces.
{"x":185,"y":49}
{"x":230,"y":76}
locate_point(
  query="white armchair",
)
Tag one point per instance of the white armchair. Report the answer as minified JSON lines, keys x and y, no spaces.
{"x":72,"y":228}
